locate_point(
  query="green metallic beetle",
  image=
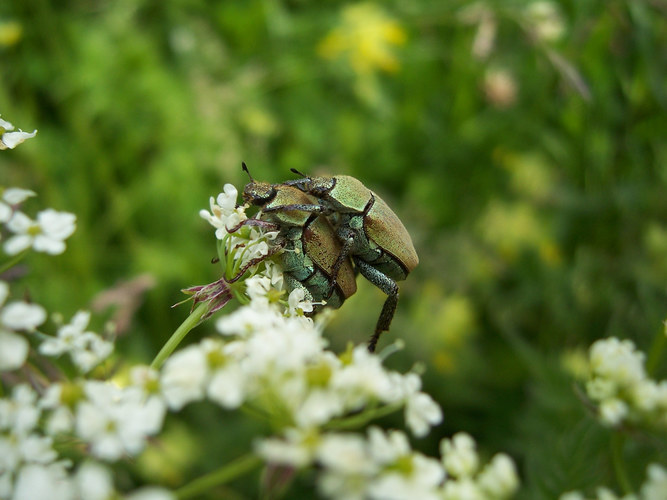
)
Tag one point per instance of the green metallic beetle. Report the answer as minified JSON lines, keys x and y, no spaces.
{"x":311,"y":249}
{"x":370,"y":233}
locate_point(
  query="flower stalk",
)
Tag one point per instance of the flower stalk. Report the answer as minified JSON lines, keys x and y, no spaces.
{"x":190,"y":322}
{"x":228,"y":472}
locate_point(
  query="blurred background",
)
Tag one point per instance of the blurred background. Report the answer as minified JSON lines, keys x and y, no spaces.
{"x":523,"y":144}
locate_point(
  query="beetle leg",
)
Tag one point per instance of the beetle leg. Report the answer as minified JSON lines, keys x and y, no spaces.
{"x":345,"y":250}
{"x":388,"y":286}
{"x":274,"y":249}
{"x":316,"y":209}
{"x":254,"y":222}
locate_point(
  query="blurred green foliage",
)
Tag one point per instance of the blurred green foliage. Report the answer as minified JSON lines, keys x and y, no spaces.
{"x":524,"y":147}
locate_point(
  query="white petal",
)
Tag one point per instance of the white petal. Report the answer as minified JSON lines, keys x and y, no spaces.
{"x":20,"y":223}
{"x":16,"y":244}
{"x":14,"y":196}
{"x":13,"y":139}
{"x":13,"y":351}
{"x":5,"y":212}
{"x":151,"y":493}
{"x":6,"y":125}
{"x":48,"y":245}
{"x":94,"y":482}
{"x":38,"y":481}
{"x":227,"y":388}
{"x":22,"y":316}
{"x":57,"y":225}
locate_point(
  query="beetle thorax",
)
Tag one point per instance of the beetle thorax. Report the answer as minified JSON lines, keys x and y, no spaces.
{"x":258,"y":193}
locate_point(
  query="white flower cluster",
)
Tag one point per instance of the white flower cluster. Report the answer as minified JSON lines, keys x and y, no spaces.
{"x":46,"y":234}
{"x":240,"y":247}
{"x":86,"y":349}
{"x":15,"y":317}
{"x":620,"y":387}
{"x":10,"y":139}
{"x":654,"y":488}
{"x":30,"y":467}
{"x":277,"y":365}
{"x":498,"y":479}
{"x":382,"y":466}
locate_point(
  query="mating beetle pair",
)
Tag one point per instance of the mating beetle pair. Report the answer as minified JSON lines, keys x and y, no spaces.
{"x":325,"y":223}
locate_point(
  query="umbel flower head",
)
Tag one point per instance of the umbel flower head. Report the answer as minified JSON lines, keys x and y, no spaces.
{"x":242,"y":250}
{"x":10,"y":139}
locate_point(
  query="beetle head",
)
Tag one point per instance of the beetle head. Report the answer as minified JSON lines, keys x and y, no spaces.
{"x":256,"y":192}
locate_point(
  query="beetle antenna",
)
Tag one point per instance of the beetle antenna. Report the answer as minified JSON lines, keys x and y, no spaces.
{"x":245,"y":169}
{"x":294,"y":170}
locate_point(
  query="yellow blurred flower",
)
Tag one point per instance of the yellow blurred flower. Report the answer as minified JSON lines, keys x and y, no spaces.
{"x":258,"y":121}
{"x":531,"y":175}
{"x":514,"y":227}
{"x":447,"y":322}
{"x":575,"y":363}
{"x":10,"y":33}
{"x":364,"y":38}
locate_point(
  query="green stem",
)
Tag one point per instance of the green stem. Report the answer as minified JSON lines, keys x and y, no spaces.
{"x":190,"y":322}
{"x":655,"y":351}
{"x":223,"y":475}
{"x":617,"y":441}
{"x":13,"y":261}
{"x":359,"y":420}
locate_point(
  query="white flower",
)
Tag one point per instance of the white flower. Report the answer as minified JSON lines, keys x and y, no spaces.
{"x":297,"y":449}
{"x":417,"y":477}
{"x":86,"y":348}
{"x":346,"y":453}
{"x":37,"y":449}
{"x":151,"y":493}
{"x":613,"y":411}
{"x":499,"y":478}
{"x":362,"y":378}
{"x":463,"y":489}
{"x":257,"y":288}
{"x":13,"y":350}
{"x":544,"y":21}
{"x":656,"y":484}
{"x":387,"y":448}
{"x":298,"y":303}
{"x":183,"y":377}
{"x":421,"y":413}
{"x":600,"y":388}
{"x":224,"y":215}
{"x":39,"y":481}
{"x":254,"y":318}
{"x":405,"y":474}
{"x":459,"y":455}
{"x":227,"y":384}
{"x":348,"y":466}
{"x":12,"y":139}
{"x":20,"y":413}
{"x":94,"y":482}
{"x":10,"y":198}
{"x":22,"y":316}
{"x":116,"y":421}
{"x":617,"y":360}
{"x":47,"y":234}
{"x":318,"y":407}
{"x":275,"y":274}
